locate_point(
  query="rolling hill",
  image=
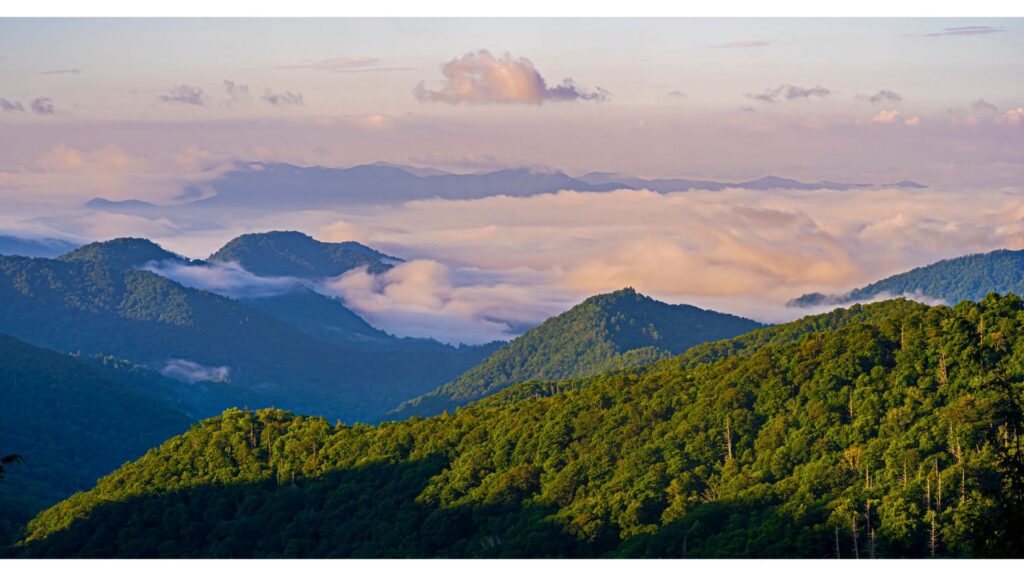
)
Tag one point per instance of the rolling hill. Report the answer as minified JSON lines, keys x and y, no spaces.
{"x":605,"y":332}
{"x":880,"y":431}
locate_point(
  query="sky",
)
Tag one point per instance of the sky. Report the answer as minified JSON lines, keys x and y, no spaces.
{"x":141,"y":109}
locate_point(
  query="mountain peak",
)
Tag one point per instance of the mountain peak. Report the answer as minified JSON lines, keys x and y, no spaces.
{"x":604,"y":332}
{"x":121,"y":253}
{"x":293,"y":253}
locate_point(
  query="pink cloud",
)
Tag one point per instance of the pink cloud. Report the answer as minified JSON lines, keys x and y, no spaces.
{"x":481,"y":78}
{"x":886,"y":117}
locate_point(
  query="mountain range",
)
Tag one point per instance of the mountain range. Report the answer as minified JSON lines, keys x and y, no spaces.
{"x":34,"y":247}
{"x":275,"y":186}
{"x":300,"y":349}
{"x":968,"y":277}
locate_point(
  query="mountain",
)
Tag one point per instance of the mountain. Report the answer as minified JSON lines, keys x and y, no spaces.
{"x":265,"y":187}
{"x":271,"y":186}
{"x":34,"y":247}
{"x":605,"y":332}
{"x":665,"y":185}
{"x":72,"y":423}
{"x":81,"y":305}
{"x":882,"y":431}
{"x":965,"y":278}
{"x":121,"y":253}
{"x":296,"y":254}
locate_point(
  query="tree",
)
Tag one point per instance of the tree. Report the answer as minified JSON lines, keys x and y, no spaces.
{"x":7,"y":461}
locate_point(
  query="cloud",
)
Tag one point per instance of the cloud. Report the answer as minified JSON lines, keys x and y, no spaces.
{"x":284,"y":98}
{"x":237,"y":93}
{"x":745,"y":44}
{"x":790,"y":92}
{"x":184,"y":94}
{"x":676,"y":94}
{"x":886,"y":117}
{"x":912,"y":121}
{"x":43,"y":106}
{"x":981,"y":106}
{"x":11,"y":105}
{"x":334,"y":64}
{"x":426,"y":298}
{"x":192,"y":372}
{"x":481,"y":78}
{"x":880,"y":97}
{"x":71,"y":71}
{"x":1013,"y":117}
{"x":227,"y":279}
{"x":967,"y":31}
{"x":743,"y":251}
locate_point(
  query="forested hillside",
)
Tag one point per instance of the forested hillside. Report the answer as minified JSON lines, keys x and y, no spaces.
{"x":884,"y":431}
{"x":965,"y":278}
{"x":605,"y":332}
{"x":72,"y":423}
{"x":88,"y":307}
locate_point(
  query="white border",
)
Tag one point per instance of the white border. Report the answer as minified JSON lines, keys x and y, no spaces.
{"x":548,"y":8}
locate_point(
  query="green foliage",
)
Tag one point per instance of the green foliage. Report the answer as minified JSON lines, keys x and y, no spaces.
{"x":121,"y":253}
{"x":886,"y":431}
{"x":964,"y":278}
{"x":296,"y":254}
{"x":604,"y":333}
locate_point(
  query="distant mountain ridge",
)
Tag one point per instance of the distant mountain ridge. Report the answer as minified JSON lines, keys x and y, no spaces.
{"x":34,"y":247}
{"x":603,"y":333}
{"x":266,"y":186}
{"x":953,"y":280}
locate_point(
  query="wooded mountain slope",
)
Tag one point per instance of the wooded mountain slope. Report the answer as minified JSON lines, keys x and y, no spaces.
{"x":605,"y":332}
{"x":890,"y":430}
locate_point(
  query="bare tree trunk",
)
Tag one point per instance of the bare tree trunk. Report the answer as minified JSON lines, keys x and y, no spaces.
{"x":933,"y":543}
{"x":963,"y":485}
{"x":904,"y":472}
{"x":838,"y":555}
{"x":938,"y":489}
{"x":871,"y":531}
{"x":853,"y":530}
{"x":728,"y":441}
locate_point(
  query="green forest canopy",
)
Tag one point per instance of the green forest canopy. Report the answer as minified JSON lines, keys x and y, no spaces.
{"x":881,"y":431}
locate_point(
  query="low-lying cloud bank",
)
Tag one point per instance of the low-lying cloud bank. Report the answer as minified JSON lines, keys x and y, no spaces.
{"x":483,"y":269}
{"x":426,"y":298}
{"x":227,"y":279}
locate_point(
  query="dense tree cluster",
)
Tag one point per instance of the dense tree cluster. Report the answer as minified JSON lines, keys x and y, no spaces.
{"x":605,"y":332}
{"x":890,"y":430}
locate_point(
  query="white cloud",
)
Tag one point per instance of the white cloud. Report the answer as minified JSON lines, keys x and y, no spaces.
{"x":227,"y":279}
{"x":426,"y":298}
{"x":192,"y":372}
